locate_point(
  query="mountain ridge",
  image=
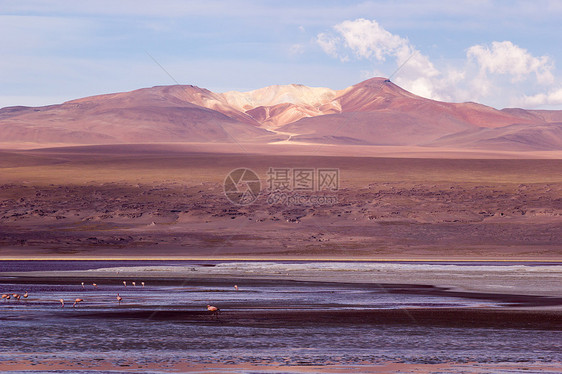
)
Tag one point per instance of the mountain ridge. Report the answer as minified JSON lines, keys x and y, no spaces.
{"x":372,"y":112}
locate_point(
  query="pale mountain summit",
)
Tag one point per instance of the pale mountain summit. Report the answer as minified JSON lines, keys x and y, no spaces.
{"x":280,"y":94}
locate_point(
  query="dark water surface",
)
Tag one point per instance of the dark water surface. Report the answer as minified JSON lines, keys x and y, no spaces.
{"x":163,"y":323}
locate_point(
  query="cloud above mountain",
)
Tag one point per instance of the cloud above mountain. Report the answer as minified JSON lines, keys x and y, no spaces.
{"x":507,"y":58}
{"x":553,"y":97}
{"x":366,"y":39}
{"x":496,"y":52}
{"x":501,"y":68}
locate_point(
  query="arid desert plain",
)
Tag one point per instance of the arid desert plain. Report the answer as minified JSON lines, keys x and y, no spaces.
{"x":158,"y":201}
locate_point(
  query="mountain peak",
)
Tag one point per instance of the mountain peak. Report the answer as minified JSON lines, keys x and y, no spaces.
{"x":383,"y":86}
{"x":375,"y":81}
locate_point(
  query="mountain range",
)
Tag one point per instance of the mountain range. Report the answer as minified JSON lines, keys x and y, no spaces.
{"x":373,"y":112}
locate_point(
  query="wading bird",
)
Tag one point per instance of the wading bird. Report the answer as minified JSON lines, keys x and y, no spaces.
{"x":142,"y":284}
{"x":214,"y":310}
{"x":125,"y":283}
{"x":82,"y":284}
{"x":134,"y":284}
{"x":25,"y":295}
{"x":95,"y":285}
{"x":76,"y":302}
{"x":236,"y":287}
{"x":5,"y":297}
{"x":119,"y":299}
{"x":61,"y":303}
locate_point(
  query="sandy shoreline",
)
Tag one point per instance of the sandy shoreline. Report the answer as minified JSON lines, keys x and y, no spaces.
{"x":452,"y":258}
{"x":537,"y":280}
{"x":269,"y":367}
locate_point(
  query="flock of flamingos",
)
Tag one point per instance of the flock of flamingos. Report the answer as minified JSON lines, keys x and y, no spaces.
{"x":213,"y":309}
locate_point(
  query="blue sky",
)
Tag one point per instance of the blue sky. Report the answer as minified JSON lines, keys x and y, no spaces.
{"x":499,"y":53}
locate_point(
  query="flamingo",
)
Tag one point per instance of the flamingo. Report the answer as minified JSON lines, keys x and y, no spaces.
{"x":62,"y":303}
{"x":17,"y":296}
{"x":125,"y":283}
{"x":119,"y":299}
{"x":236,"y":287}
{"x":142,"y":284}
{"x":25,"y":295}
{"x":82,"y":284}
{"x":95,"y":285}
{"x":5,"y":296}
{"x":134,"y":284}
{"x":76,"y":302}
{"x":214,"y":310}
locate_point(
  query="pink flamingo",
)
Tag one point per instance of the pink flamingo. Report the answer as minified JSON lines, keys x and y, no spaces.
{"x":214,"y":310}
{"x":119,"y":299}
{"x":125,"y":283}
{"x":25,"y":295}
{"x":142,"y":284}
{"x":62,"y":303}
{"x":236,"y":287}
{"x":76,"y":302}
{"x":95,"y":285}
{"x":5,"y":297}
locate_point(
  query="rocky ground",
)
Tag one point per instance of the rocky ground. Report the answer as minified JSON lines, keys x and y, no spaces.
{"x":381,"y":219}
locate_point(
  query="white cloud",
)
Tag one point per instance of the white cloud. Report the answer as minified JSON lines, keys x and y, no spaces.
{"x":502,"y":70}
{"x":507,"y":58}
{"x":296,"y":49}
{"x":328,"y":44}
{"x":369,"y":40}
{"x":553,"y":97}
